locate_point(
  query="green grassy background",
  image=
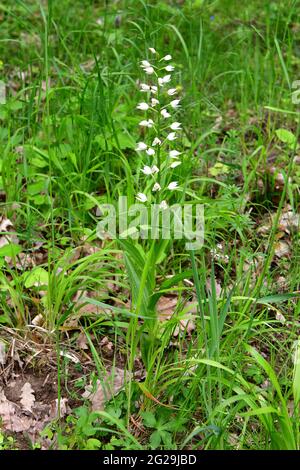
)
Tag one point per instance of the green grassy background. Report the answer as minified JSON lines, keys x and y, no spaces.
{"x":67,"y":138}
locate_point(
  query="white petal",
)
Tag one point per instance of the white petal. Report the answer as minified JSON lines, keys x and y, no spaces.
{"x":165,"y":113}
{"x":143,"y":106}
{"x":146,"y":170}
{"x":169,"y":68}
{"x":150,"y":151}
{"x":145,"y":87}
{"x":175,"y":126}
{"x":172,"y":91}
{"x":167,"y":57}
{"x":167,"y":78}
{"x":141,"y":146}
{"x":171,"y":136}
{"x":163,"y":80}
{"x":175,"y":164}
{"x":156,"y":187}
{"x":173,"y":185}
{"x":174,"y":154}
{"x":146,"y":123}
{"x":145,"y":63}
{"x":175,"y":103}
{"x":151,"y":49}
{"x":154,"y":102}
{"x":153,"y":89}
{"x":156,"y":141}
{"x":163,"y":205}
{"x":141,"y":197}
{"x":149,"y":70}
{"x":154,"y":169}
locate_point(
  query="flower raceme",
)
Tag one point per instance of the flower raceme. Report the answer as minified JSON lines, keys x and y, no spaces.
{"x":160,"y":157}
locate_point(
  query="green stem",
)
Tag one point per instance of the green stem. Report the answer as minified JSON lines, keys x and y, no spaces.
{"x":134,"y":336}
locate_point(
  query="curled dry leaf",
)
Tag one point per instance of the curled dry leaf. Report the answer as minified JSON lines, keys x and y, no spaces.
{"x":282,"y":249}
{"x":107,"y":346}
{"x":38,"y":320}
{"x":2,"y":353}
{"x":82,"y":341}
{"x":27,"y":397}
{"x":279,"y":317}
{"x":6,"y":236}
{"x":70,"y":356}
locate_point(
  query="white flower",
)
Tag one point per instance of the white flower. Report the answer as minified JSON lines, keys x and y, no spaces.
{"x":145,"y":63}
{"x":165,"y":113}
{"x":143,"y":106}
{"x":149,"y":70}
{"x":163,"y":205}
{"x":156,"y":141}
{"x":171,"y":136}
{"x":156,"y":187}
{"x":153,"y":89}
{"x":151,"y":49}
{"x":167,"y":57}
{"x":141,"y":146}
{"x":175,"y":164}
{"x":150,"y":151}
{"x":141,"y":197}
{"x":175,"y":103}
{"x":175,"y":126}
{"x":154,"y":102}
{"x":146,"y":123}
{"x":145,"y":87}
{"x":147,"y":170}
{"x":173,"y":185}
{"x":172,"y":91}
{"x":174,"y":154}
{"x":169,"y":68}
{"x":163,"y":80}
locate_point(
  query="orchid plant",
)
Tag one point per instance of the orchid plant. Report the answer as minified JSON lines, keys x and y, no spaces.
{"x":159,"y":159}
{"x":162,"y":130}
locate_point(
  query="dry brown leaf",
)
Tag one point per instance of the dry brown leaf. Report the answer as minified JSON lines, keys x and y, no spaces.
{"x":38,"y":320}
{"x":2,"y":353}
{"x":9,"y":417}
{"x":279,"y":317}
{"x":282,"y":249}
{"x":27,"y":397}
{"x":289,"y":221}
{"x":82,"y":341}
{"x":111,"y":384}
{"x":6,"y":236}
{"x":166,"y":307}
{"x":63,"y":408}
{"x":107,"y":346}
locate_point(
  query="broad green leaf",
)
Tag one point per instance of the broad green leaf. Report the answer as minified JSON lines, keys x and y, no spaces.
{"x":37,"y":277}
{"x":10,"y":250}
{"x":286,"y":137}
